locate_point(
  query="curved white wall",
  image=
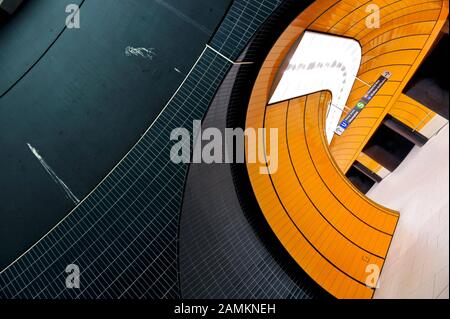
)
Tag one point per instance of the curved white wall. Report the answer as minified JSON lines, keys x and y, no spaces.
{"x":321,"y":62}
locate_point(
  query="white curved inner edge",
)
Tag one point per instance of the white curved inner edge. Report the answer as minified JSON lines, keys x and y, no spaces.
{"x":321,"y":62}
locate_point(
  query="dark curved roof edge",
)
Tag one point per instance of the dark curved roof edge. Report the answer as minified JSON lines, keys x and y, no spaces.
{"x":226,"y":248}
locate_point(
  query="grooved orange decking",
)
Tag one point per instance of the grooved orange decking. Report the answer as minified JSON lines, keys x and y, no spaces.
{"x":331,"y":230}
{"x":369,"y":163}
{"x":411,"y":113}
{"x":408,"y":29}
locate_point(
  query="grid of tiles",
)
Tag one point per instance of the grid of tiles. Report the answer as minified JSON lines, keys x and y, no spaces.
{"x":223,"y":252}
{"x":124,"y":235}
{"x":240,"y":24}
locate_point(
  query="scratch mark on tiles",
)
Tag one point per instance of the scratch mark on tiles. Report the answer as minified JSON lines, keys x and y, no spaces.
{"x":142,"y":52}
{"x":178,"y":71}
{"x":53,"y":175}
{"x":184,"y":17}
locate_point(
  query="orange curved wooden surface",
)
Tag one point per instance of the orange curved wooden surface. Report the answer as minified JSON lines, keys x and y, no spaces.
{"x":411,"y":113}
{"x":327,"y":232}
{"x":369,"y":163}
{"x":408,"y":29}
{"x":331,"y":230}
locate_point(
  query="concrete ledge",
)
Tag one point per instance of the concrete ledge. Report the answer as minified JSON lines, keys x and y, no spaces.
{"x":405,"y":131}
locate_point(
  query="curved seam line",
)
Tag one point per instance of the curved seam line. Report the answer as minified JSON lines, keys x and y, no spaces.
{"x":397,"y":38}
{"x":31,"y":67}
{"x":307,"y":145}
{"x":289,"y":216}
{"x":306,"y":193}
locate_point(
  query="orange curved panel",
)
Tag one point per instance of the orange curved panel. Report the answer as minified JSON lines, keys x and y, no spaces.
{"x":318,"y":175}
{"x":411,"y":41}
{"x":329,"y":228}
{"x":416,"y":21}
{"x":408,"y":29}
{"x":411,"y":113}
{"x":303,"y":201}
{"x":330,"y":233}
{"x":368,"y":162}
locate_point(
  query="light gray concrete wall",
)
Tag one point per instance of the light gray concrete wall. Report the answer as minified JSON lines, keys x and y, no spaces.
{"x":417,"y":265}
